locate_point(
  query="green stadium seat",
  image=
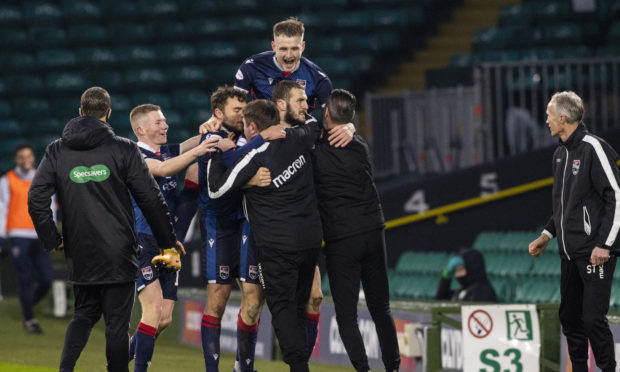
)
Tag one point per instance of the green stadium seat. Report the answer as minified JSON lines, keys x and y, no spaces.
{"x":487,"y":241}
{"x":56,"y":58}
{"x":40,"y":143}
{"x":216,"y":50}
{"x":196,"y":116}
{"x":207,"y":27}
{"x":159,"y":99}
{"x":167,"y":30}
{"x":9,"y":128}
{"x":222,"y":73}
{"x":31,"y":109}
{"x":344,"y":66}
{"x":252,"y":25}
{"x":187,"y":76}
{"x":136,"y":55}
{"x":89,"y":35}
{"x":145,"y":78}
{"x":517,"y":14}
{"x":574,"y":52}
{"x":508,"y":265}
{"x":159,"y":8}
{"x":538,"y":54}
{"x":613,"y":35}
{"x":5,"y":111}
{"x":240,"y":6}
{"x":462,"y":60}
{"x":121,"y":124}
{"x":78,"y":11}
{"x":392,"y":19}
{"x":342,"y":83}
{"x":12,"y":62}
{"x":46,"y":36}
{"x":331,"y":4}
{"x":174,"y":119}
{"x":65,"y":108}
{"x":110,"y":80}
{"x":186,"y":99}
{"x":614,"y":300}
{"x":547,"y":265}
{"x":354,"y":21}
{"x":508,"y":55}
{"x":494,"y":38}
{"x":10,"y":16}
{"x":516,"y":241}
{"x":120,"y":10}
{"x":554,"y":11}
{"x":180,"y":134}
{"x":6,"y":149}
{"x":504,"y":288}
{"x":121,"y":103}
{"x":129,"y":33}
{"x":42,"y":13}
{"x":562,"y":33}
{"x":96,"y":57}
{"x":65,"y":83}
{"x":176,"y":53}
{"x":608,"y":51}
{"x":11,"y":39}
{"x":4,"y":88}
{"x":26,"y":84}
{"x":535,"y":291}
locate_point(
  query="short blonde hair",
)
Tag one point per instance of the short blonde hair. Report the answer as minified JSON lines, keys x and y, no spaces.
{"x":289,"y":27}
{"x":139,"y":111}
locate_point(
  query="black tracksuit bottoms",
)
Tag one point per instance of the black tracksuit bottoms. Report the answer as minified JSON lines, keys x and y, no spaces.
{"x":286,"y":277}
{"x":349,"y":260}
{"x":585,"y":291}
{"x":114,"y":302}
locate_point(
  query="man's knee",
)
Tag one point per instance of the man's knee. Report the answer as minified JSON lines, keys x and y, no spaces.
{"x":253,"y":312}
{"x":164,"y":322}
{"x":592,"y":323}
{"x":316,"y":297}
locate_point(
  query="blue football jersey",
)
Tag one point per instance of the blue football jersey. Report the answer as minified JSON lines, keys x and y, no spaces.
{"x":228,"y":206}
{"x":167,"y":185}
{"x":260,"y":73}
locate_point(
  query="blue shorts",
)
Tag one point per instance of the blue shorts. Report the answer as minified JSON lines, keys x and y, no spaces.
{"x":148,"y":273}
{"x":228,"y":250}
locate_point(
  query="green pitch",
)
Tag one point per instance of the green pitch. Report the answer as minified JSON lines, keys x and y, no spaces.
{"x":22,"y":352}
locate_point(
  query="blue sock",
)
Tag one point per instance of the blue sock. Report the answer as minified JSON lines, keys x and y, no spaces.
{"x":246,"y":345}
{"x":145,"y":343}
{"x":132,"y":347}
{"x":210,"y":331}
{"x":312,"y":325}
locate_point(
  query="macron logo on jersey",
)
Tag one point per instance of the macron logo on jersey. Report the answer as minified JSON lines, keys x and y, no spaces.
{"x":289,"y":171}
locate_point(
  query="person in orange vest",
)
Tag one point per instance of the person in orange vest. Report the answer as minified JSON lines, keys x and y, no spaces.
{"x":32,"y":264}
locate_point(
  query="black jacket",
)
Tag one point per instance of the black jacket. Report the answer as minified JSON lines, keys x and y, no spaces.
{"x":283,"y":215}
{"x":586,"y":196}
{"x":93,"y":171}
{"x":474,"y":285}
{"x":348,"y":199}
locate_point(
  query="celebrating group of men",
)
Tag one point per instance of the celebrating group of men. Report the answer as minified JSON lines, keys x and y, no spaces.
{"x":260,"y":158}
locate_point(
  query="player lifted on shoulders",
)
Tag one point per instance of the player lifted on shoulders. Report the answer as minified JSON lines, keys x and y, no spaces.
{"x":157,"y":289}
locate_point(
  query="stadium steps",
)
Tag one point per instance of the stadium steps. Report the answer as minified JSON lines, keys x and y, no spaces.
{"x":452,"y":37}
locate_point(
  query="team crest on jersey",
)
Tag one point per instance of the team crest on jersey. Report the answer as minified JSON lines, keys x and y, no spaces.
{"x":147,"y":273}
{"x":576,"y":164}
{"x":301,"y":82}
{"x":224,"y":272}
{"x":253,"y":272}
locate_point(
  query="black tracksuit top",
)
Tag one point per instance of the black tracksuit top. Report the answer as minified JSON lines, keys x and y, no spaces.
{"x":348,"y":199}
{"x":93,"y":171}
{"x":283,"y":215}
{"x":586,"y":195}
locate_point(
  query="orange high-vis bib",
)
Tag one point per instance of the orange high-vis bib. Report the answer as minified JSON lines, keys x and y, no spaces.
{"x":18,"y":217}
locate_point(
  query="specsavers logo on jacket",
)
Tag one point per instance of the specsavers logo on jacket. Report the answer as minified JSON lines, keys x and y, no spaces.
{"x":83,"y":174}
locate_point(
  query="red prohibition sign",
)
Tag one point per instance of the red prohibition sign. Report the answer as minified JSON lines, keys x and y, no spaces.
{"x":480,"y":324}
